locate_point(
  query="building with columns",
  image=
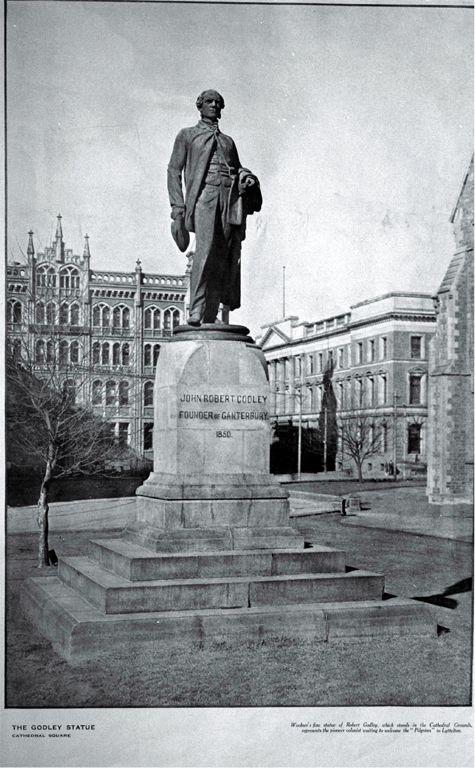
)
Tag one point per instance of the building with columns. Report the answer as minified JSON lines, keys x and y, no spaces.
{"x":378,"y":354}
{"x":103,"y":328}
{"x":450,"y":470}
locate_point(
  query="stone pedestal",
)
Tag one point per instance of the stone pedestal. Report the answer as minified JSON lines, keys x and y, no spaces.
{"x":212,"y":554}
{"x":211,"y":485}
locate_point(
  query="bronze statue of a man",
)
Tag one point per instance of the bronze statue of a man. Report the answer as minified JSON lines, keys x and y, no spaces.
{"x":220,"y":193}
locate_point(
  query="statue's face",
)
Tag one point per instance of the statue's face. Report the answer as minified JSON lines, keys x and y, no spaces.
{"x":211,"y":107}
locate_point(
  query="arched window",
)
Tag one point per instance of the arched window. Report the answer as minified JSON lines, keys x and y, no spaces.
{"x":74,"y":352}
{"x":14,"y":312}
{"x":105,"y":354}
{"x":126,"y":318}
{"x":111,"y":393}
{"x":40,"y":352}
{"x":171,"y":319}
{"x":63,"y":314}
{"x":49,"y":351}
{"x":124,"y":393}
{"x":96,"y":316}
{"x":152,"y":318}
{"x":156,"y":352}
{"x":69,"y":391}
{"x":147,"y":355}
{"x":63,"y":352}
{"x":45,"y":277}
{"x":40,"y":314}
{"x":148,"y":393}
{"x":50,"y":313}
{"x":121,"y":317}
{"x":105,"y":316}
{"x":116,"y":317}
{"x":116,"y":354}
{"x":75,"y":314}
{"x":96,"y":353}
{"x":97,"y":392}
{"x":125,"y":354}
{"x":69,"y":278}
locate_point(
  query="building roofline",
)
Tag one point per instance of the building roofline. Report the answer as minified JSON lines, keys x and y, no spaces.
{"x":406,"y":294}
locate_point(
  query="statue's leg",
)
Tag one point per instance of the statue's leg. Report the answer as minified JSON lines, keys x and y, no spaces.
{"x":206,"y":209}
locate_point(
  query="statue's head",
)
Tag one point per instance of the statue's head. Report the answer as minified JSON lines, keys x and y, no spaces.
{"x":210,"y":103}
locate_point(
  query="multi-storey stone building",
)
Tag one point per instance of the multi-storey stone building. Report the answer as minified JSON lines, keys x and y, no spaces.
{"x":103,"y":330}
{"x":378,"y":353}
{"x":450,"y":470}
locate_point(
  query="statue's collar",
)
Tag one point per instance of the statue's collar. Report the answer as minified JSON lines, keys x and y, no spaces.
{"x":213,"y":127}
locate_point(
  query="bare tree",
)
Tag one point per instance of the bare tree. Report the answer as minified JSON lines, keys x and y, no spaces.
{"x":50,"y":415}
{"x":360,"y":437}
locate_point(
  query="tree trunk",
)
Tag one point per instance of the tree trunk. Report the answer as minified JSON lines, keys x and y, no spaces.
{"x":359,"y":466}
{"x":42,"y":519}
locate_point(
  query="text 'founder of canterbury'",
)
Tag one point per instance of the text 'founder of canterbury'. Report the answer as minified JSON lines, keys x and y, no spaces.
{"x":219,"y":195}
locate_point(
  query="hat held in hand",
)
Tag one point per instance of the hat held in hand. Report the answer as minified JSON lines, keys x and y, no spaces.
{"x":180,"y":234}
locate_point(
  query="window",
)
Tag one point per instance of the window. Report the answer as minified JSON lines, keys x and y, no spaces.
{"x":121,"y":317}
{"x":310,"y":364}
{"x":147,"y":355}
{"x":125,"y":354}
{"x":49,"y":352}
{"x":69,"y":391}
{"x":147,"y":437}
{"x":416,"y":347}
{"x":105,"y":354}
{"x":414,"y":389}
{"x":330,"y":359}
{"x":63,"y":314}
{"x":97,"y":392}
{"x":359,"y":352}
{"x":63,"y":352}
{"x":384,"y":347}
{"x":341,"y":358}
{"x":75,"y":314}
{"x":14,"y":312}
{"x":126,"y":317}
{"x":123,"y":433}
{"x":69,"y":278}
{"x":359,"y":392}
{"x":298,"y":366}
{"x":320,"y":362}
{"x":96,"y":353}
{"x":340,"y":394}
{"x":96,"y":317}
{"x":40,"y":314}
{"x":371,"y":350}
{"x":171,"y":319}
{"x":106,"y":313}
{"x":116,"y":317}
{"x":111,"y":393}
{"x":124,"y":393}
{"x":148,"y":393}
{"x":384,"y":389}
{"x":40,"y":352}
{"x":414,"y":438}
{"x":116,"y":354}
{"x":384,"y":437}
{"x":74,"y":352}
{"x":152,"y":318}
{"x":45,"y":277}
{"x":371,"y":390}
{"x":156,"y":352}
{"x":50,"y":313}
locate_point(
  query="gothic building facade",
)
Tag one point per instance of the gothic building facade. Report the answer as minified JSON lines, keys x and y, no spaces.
{"x":377,"y":354}
{"x":100,"y":331}
{"x":450,"y":472}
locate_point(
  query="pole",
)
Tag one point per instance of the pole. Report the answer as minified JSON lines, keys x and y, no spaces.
{"x":283,"y":292}
{"x":325,"y":440}
{"x":299,"y":456}
{"x":395,"y":435}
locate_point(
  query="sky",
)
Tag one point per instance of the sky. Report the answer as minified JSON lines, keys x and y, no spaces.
{"x":357,"y":121}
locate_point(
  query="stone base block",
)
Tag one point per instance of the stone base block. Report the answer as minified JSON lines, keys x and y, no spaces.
{"x":135,"y":563}
{"x":212,"y":539}
{"x":207,"y":513}
{"x":111,"y":593}
{"x":79,"y":631}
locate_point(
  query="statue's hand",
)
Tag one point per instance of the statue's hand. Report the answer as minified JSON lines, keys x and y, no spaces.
{"x":249,"y":182}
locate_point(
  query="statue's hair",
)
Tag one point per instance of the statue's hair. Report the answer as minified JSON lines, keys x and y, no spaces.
{"x":199,"y":100}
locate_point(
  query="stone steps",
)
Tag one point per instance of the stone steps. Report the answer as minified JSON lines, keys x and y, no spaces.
{"x":135,"y":563}
{"x":115,"y":594}
{"x":78,"y":630}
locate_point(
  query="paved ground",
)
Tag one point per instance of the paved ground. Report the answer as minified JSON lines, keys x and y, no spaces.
{"x":403,"y":508}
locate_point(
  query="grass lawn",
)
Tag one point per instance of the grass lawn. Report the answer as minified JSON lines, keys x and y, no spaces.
{"x":388,"y":671}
